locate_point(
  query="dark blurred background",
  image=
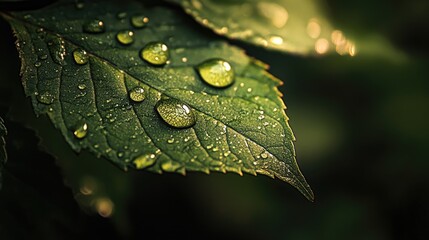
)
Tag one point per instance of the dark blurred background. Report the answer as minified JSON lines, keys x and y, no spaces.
{"x":362,"y":143}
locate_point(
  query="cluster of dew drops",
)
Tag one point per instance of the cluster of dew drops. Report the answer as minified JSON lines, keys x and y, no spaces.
{"x":215,"y":72}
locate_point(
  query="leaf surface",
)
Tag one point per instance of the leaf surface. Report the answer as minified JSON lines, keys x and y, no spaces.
{"x":239,"y":128}
{"x":285,"y":25}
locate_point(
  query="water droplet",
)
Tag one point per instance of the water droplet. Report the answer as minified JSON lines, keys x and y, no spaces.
{"x":137,"y":94}
{"x":43,"y":57}
{"x":176,"y":113}
{"x":57,"y":49}
{"x":94,"y":26}
{"x":170,"y":166}
{"x":264,"y":155}
{"x":125,"y":37}
{"x":81,"y":86}
{"x":170,"y":140}
{"x":80,"y":56}
{"x":46,"y":98}
{"x":216,"y":72}
{"x":276,"y":40}
{"x":139,"y":21}
{"x":81,"y":131}
{"x":144,"y":161}
{"x":155,"y":53}
{"x":104,"y":207}
{"x":38,"y":64}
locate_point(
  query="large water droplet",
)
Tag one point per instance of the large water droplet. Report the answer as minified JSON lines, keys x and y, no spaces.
{"x":81,"y":131}
{"x":216,"y":72}
{"x":80,"y":56}
{"x":137,"y":94}
{"x":139,"y":21}
{"x":176,"y":113}
{"x":94,"y":26}
{"x":155,"y":53}
{"x":144,"y":161}
{"x":125,"y":37}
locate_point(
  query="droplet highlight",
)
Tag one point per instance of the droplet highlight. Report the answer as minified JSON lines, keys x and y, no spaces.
{"x":176,"y":113}
{"x":125,"y":37}
{"x":80,"y":56}
{"x":137,"y":94}
{"x":216,"y":72}
{"x":155,"y":53}
{"x":139,"y":21}
{"x":94,"y":26}
{"x":81,"y":131}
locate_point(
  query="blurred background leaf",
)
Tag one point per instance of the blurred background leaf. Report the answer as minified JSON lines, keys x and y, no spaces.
{"x":362,"y":134}
{"x":284,"y":25}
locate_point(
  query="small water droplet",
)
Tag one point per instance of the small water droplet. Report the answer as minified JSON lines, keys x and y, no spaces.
{"x":43,"y":57}
{"x":176,"y":113}
{"x":139,"y":21}
{"x":120,"y":154}
{"x":276,"y":40}
{"x":94,"y":26}
{"x":80,"y":56}
{"x":81,"y":86}
{"x":216,"y":72}
{"x":125,"y":37}
{"x":170,"y":140}
{"x":144,"y":161}
{"x":137,"y":94}
{"x":46,"y":98}
{"x":38,"y":64}
{"x":264,"y":155}
{"x":81,"y":131}
{"x":155,"y":53}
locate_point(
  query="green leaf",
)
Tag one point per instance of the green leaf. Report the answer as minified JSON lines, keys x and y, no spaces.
{"x":3,"y":155}
{"x":284,"y":25}
{"x":82,"y":77}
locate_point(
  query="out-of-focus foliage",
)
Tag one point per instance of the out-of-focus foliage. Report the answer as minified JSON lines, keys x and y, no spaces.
{"x":285,"y":25}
